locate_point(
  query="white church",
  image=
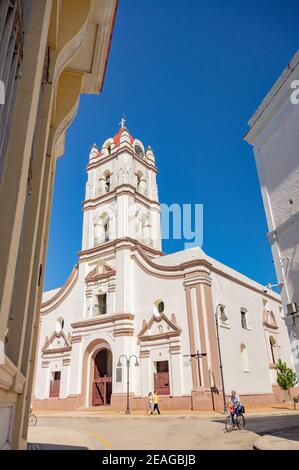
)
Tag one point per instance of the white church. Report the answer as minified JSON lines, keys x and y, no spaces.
{"x":125,"y":297}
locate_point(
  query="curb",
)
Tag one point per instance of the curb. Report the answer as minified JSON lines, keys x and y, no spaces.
{"x":268,"y":442}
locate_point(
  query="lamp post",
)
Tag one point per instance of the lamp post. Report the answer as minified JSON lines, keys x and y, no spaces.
{"x":128,"y":363}
{"x":220,"y":360}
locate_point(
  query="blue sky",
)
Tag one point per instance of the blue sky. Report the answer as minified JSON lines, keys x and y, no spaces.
{"x":188,"y":75}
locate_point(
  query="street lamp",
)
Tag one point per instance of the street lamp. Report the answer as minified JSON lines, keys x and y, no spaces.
{"x":220,"y":360}
{"x":128,"y":363}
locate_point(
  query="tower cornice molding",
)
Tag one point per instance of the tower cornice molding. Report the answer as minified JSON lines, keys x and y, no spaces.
{"x":123,"y":189}
{"x":99,"y":161}
{"x":113,"y":246}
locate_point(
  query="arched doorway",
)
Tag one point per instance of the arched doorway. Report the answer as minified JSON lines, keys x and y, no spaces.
{"x":102,"y":378}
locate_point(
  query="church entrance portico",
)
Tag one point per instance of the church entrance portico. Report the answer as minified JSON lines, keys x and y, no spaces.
{"x":97,"y":366}
{"x":102,"y":378}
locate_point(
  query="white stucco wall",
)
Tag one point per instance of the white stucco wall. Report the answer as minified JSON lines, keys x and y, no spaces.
{"x":274,"y":135}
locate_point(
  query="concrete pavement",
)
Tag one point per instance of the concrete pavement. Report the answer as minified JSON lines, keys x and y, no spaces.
{"x":55,"y":438}
{"x":275,"y":443}
{"x":173,"y":431}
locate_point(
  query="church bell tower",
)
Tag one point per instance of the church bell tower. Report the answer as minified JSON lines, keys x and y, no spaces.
{"x":121,"y":201}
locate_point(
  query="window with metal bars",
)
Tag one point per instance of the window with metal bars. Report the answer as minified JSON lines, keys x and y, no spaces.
{"x":14,"y":16}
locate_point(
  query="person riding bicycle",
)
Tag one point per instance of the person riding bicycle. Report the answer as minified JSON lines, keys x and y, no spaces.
{"x":236,"y":407}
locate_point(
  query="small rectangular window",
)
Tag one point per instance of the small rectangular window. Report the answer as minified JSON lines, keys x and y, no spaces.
{"x":223,"y":316}
{"x":243,"y":320}
{"x":162,"y":366}
{"x":57,"y":375}
{"x":102,"y":304}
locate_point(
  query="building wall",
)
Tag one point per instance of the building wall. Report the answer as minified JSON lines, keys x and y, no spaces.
{"x":274,"y":135}
{"x":255,"y":384}
{"x":259,"y":378}
{"x":49,"y":81}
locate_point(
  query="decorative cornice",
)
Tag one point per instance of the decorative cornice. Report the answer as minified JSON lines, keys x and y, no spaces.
{"x":117,"y":244}
{"x":63,"y":292}
{"x":269,"y":326}
{"x":124,"y":332}
{"x":77,"y":339}
{"x":173,"y":271}
{"x":120,"y":190}
{"x":103,"y":320}
{"x":176,"y":331}
{"x":94,"y":277}
{"x":57,"y":350}
{"x":144,"y":353}
{"x":157,"y":337}
{"x":8,"y":372}
{"x":117,"y":151}
{"x":66,"y":348}
{"x":66,"y":121}
{"x":69,"y":50}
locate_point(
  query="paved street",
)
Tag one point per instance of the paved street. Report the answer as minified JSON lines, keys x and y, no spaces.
{"x":159,"y":432}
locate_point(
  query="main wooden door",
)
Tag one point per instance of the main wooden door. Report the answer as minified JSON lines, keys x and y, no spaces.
{"x":102,"y":379}
{"x":55,"y":385}
{"x":161,"y":378}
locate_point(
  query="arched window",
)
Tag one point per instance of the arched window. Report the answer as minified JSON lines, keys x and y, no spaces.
{"x":222,"y":314}
{"x":138,"y":179}
{"x":140,"y":182}
{"x":244,"y":322}
{"x":273,"y":350}
{"x":145,"y":228}
{"x":107,"y":176}
{"x":244,"y":358}
{"x":139,"y":151}
{"x":102,"y":228}
{"x":101,"y":306}
{"x":59,"y":324}
{"x":106,"y":230}
{"x":108,"y":145}
{"x":109,"y":148}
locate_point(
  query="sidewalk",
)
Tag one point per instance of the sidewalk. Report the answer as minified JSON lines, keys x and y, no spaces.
{"x":91,"y":413}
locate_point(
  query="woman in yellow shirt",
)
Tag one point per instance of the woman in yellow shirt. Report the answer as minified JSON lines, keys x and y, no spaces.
{"x":156,"y":403}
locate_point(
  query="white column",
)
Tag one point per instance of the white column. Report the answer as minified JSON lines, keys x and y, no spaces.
{"x":175,"y":374}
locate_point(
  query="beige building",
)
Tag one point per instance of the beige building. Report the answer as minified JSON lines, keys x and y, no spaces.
{"x":51,"y":51}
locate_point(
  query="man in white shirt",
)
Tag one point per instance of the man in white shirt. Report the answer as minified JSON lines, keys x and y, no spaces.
{"x":236,"y":401}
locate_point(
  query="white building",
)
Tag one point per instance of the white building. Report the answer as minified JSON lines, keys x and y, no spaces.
{"x":126,"y":297}
{"x":274,"y":134}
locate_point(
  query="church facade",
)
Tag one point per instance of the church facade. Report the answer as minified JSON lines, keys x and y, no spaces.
{"x":126,"y":300}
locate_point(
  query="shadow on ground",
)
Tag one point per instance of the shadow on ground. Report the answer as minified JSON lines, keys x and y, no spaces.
{"x":286,"y":427}
{"x":45,"y":446}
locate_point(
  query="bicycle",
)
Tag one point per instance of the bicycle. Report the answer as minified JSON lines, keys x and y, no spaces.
{"x":32,"y":418}
{"x":239,"y":422}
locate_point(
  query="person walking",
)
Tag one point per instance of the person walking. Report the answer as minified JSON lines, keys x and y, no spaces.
{"x":156,"y":403}
{"x":149,"y":406}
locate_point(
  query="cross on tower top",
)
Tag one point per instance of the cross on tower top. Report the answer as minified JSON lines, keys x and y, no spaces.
{"x":122,"y":123}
